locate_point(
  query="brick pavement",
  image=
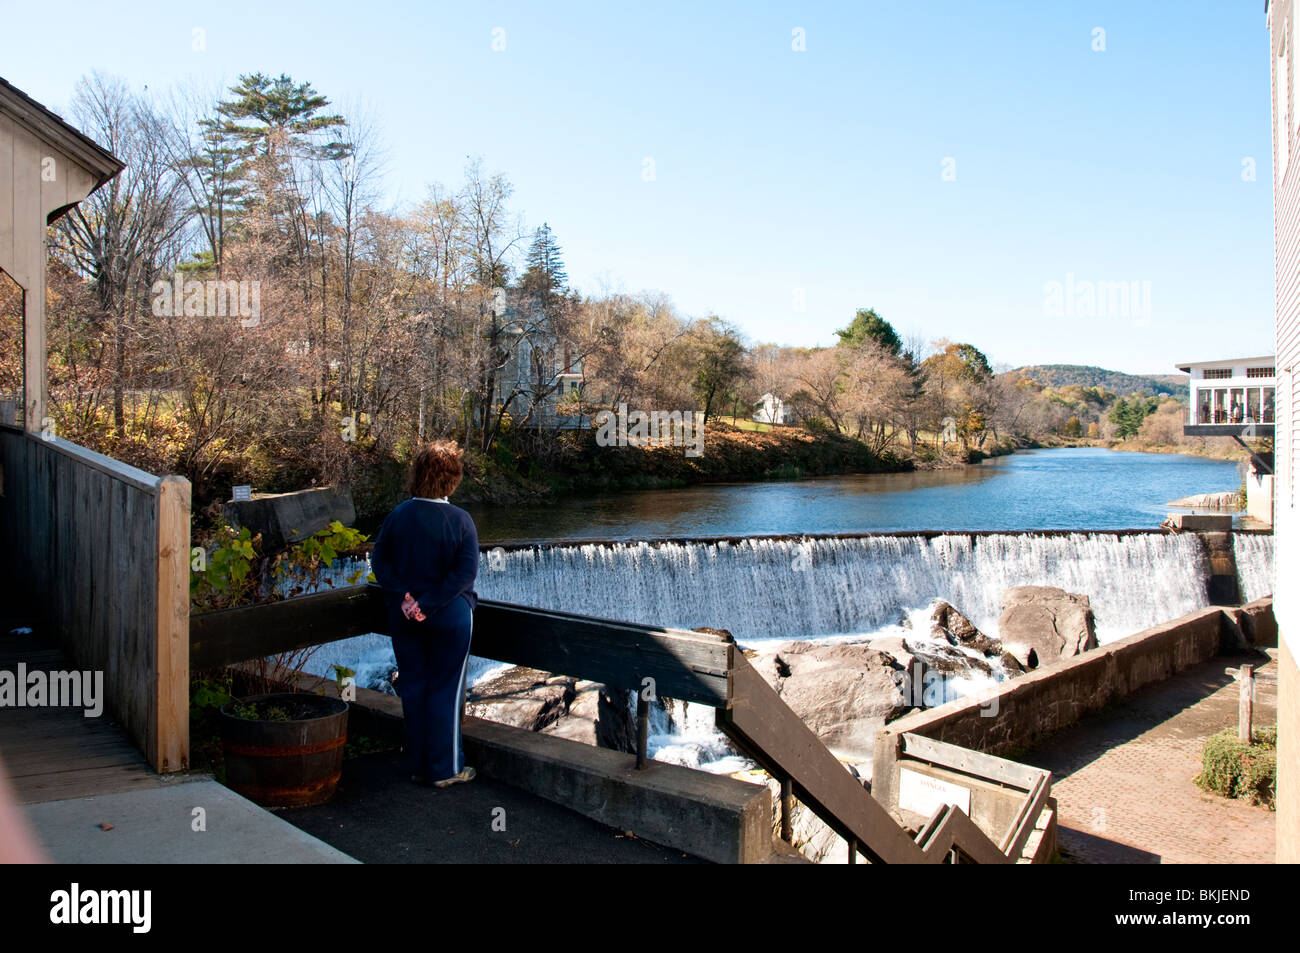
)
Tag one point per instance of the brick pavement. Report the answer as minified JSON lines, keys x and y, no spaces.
{"x":1123,"y":777}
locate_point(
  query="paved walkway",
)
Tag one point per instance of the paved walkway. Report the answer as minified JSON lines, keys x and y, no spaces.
{"x":379,"y":817}
{"x":1123,"y":777}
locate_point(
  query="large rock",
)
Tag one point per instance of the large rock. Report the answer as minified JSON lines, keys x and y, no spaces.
{"x":597,"y":717}
{"x":844,"y":693}
{"x":947,"y":623}
{"x":1042,"y":624}
{"x":284,"y":519}
{"x":522,"y":697}
{"x":556,"y":704}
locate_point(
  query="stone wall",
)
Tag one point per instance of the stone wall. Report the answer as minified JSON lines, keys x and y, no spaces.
{"x":1017,"y":713}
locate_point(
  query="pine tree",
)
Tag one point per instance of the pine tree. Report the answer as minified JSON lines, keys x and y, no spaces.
{"x":545,"y":278}
{"x":868,"y":325}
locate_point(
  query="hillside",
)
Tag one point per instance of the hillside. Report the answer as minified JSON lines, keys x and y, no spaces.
{"x":1063,"y":375}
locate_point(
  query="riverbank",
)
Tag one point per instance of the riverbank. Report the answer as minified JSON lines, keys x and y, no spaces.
{"x":729,"y":455}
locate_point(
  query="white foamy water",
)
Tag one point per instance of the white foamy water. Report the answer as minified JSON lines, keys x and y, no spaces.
{"x":765,"y":591}
{"x":762,"y":588}
{"x":1254,"y":553}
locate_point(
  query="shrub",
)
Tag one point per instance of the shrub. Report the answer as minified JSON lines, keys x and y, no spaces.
{"x":1232,"y":768}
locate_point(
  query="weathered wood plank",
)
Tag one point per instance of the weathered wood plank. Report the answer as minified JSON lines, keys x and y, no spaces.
{"x":85,"y":532}
{"x":173,"y":626}
{"x":956,"y":829}
{"x":764,"y":727}
{"x":1018,"y":831}
{"x":690,"y":666}
{"x":970,"y":762}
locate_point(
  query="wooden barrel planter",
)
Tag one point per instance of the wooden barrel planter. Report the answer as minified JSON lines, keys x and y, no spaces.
{"x":285,"y":763}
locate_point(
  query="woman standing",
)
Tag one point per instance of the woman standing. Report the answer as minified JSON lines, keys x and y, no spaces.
{"x":426,"y":560}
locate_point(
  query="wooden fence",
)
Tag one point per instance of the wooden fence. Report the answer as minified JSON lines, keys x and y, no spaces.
{"x":99,"y":552}
{"x":690,"y":666}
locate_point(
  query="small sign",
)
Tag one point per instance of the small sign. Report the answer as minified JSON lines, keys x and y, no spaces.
{"x":241,"y":493}
{"x":924,"y":795}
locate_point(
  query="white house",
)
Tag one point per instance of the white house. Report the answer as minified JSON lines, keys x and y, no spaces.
{"x":771,"y":410}
{"x":1237,"y":398}
{"x":540,"y":371}
{"x":1231,"y":394}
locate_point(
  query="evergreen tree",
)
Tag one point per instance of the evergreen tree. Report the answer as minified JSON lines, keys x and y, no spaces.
{"x":868,"y":325}
{"x":544,"y":278}
{"x":284,"y":120}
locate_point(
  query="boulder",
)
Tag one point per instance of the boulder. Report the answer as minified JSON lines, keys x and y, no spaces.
{"x":556,"y":704}
{"x":947,"y":623}
{"x":597,"y":717}
{"x":844,"y":693}
{"x":896,"y":648}
{"x":1042,"y":624}
{"x":522,"y":697}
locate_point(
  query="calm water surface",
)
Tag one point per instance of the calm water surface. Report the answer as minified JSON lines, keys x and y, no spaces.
{"x":1073,"y":488}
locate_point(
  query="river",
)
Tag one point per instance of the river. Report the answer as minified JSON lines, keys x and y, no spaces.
{"x":1073,"y":488}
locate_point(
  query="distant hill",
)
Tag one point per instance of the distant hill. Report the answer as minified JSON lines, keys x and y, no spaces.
{"x":1063,"y":375}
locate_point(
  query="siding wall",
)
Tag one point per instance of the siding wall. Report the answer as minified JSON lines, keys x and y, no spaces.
{"x":1286,"y":227}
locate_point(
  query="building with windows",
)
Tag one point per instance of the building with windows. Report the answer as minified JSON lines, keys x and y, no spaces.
{"x":541,"y":375}
{"x":1228,"y":395}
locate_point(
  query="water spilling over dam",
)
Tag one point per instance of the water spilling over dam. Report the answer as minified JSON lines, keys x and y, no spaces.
{"x":766,"y":588}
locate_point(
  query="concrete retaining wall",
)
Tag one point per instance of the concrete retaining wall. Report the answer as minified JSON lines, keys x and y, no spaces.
{"x":1017,"y":713}
{"x":712,"y":817}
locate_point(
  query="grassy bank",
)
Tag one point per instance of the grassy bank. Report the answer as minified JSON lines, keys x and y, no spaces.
{"x":730,"y":455}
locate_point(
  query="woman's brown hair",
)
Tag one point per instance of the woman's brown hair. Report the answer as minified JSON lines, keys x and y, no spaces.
{"x":437,"y":470}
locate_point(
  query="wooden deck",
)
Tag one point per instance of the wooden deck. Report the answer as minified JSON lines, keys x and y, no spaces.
{"x":52,"y":754}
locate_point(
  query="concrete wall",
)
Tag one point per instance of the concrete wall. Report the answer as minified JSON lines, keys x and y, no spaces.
{"x":716,"y":818}
{"x":1259,"y":496}
{"x":1023,"y":710}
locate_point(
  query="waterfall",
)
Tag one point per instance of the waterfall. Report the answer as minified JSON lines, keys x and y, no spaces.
{"x":766,"y":590}
{"x":763,"y":589}
{"x":1254,"y":554}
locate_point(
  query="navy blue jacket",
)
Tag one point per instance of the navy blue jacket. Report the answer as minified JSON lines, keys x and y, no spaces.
{"x":430,"y":550}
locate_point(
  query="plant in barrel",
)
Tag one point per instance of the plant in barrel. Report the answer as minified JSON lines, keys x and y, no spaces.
{"x":281,"y":748}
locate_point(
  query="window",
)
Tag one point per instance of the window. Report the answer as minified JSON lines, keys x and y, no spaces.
{"x":1216,"y":373}
{"x":1259,"y":372}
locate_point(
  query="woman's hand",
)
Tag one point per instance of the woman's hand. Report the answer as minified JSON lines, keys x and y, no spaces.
{"x":411,"y":609}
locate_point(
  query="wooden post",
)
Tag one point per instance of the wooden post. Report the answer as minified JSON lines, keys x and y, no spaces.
{"x":853,"y":850}
{"x":642,"y":729}
{"x":1246,"y":703}
{"x":787,"y":811}
{"x":172,"y":732}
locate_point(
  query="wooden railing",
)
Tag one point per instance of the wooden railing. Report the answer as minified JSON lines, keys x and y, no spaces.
{"x":695,"y":667}
{"x":99,"y":553}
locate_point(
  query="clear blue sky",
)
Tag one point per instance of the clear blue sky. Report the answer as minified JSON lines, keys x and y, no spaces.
{"x":820,"y":170}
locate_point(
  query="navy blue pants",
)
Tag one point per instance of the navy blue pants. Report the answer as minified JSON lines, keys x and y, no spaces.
{"x":432,"y":657}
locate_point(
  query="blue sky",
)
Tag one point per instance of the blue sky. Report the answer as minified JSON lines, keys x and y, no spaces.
{"x":783,"y":176}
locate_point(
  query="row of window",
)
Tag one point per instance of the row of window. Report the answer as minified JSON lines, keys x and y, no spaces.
{"x":1223,"y":373}
{"x":1234,"y":405}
